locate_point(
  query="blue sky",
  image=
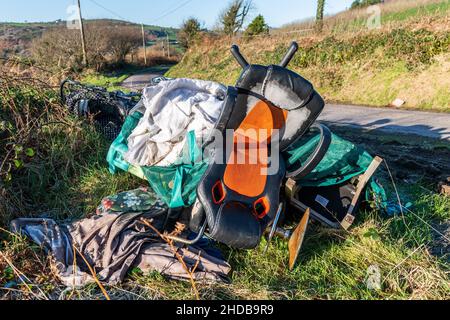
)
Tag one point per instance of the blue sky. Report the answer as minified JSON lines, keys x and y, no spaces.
{"x":162,"y":12}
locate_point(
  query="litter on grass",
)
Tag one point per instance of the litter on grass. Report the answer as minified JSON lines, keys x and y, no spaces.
{"x":176,"y":137}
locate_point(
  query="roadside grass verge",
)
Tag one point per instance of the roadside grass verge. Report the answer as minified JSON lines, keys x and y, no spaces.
{"x":332,"y":265}
{"x":48,"y":156}
{"x":66,"y":176}
{"x":110,"y":81}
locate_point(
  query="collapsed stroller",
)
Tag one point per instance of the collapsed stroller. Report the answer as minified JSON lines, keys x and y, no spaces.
{"x":239,"y":202}
{"x":107,"y":109}
{"x":272,"y":112}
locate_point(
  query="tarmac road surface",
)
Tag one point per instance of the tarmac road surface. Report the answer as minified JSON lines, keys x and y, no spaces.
{"x":140,"y":80}
{"x":391,"y":120}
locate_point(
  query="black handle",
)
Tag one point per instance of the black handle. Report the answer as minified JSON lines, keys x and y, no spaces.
{"x":62,"y":87}
{"x":316,"y":157}
{"x":238,"y":56}
{"x":289,"y":55}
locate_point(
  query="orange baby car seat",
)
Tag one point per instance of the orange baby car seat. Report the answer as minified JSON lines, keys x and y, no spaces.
{"x":269,"y":109}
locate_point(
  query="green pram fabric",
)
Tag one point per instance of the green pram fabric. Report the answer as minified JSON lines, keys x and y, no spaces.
{"x":342,"y":162}
{"x":176,"y":185}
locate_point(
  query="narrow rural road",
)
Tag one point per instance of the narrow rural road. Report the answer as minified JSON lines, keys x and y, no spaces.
{"x":140,"y":80}
{"x":426,"y":124}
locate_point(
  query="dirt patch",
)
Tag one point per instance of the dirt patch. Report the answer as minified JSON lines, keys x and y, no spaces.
{"x":410,"y":158}
{"x":440,"y":247}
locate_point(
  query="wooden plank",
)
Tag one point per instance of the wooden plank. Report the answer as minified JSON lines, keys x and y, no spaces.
{"x":291,"y":188}
{"x":362,"y":183}
{"x":296,"y":241}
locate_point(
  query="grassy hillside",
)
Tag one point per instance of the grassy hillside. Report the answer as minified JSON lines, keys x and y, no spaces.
{"x":157,"y":31}
{"x":393,"y":13}
{"x":407,"y":58}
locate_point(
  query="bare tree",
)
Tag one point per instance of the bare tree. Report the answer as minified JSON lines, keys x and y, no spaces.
{"x":122,"y":41}
{"x":58,"y":47}
{"x":233,"y":17}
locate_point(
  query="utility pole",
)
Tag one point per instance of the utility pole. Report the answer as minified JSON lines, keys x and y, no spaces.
{"x":145,"y":45}
{"x":83,"y":39}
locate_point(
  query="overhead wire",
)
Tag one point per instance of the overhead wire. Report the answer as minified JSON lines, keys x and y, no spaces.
{"x":109,"y":10}
{"x":172,"y":11}
{"x":163,"y":15}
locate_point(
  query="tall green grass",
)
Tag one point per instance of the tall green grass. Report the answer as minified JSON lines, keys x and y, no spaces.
{"x":345,"y":69}
{"x":48,"y":156}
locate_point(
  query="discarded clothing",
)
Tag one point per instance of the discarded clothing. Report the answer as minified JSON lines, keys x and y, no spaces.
{"x":170,"y":110}
{"x":114,"y":240}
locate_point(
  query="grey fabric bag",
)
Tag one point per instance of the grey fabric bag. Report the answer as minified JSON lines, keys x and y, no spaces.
{"x":112,"y":242}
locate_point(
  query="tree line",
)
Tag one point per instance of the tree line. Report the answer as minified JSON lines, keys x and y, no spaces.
{"x":109,"y":45}
{"x":230,"y":22}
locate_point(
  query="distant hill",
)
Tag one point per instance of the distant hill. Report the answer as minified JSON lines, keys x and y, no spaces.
{"x":157,"y":31}
{"x":16,"y":37}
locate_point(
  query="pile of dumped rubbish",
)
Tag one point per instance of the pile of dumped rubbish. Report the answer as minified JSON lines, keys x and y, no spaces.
{"x":223,"y":165}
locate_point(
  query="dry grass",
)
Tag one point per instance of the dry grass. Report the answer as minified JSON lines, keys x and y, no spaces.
{"x":27,"y":69}
{"x":156,"y":55}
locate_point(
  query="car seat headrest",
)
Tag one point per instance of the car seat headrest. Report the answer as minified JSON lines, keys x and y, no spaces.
{"x":282,"y":87}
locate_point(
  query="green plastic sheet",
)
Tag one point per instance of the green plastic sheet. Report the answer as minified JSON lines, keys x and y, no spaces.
{"x":177,"y":184}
